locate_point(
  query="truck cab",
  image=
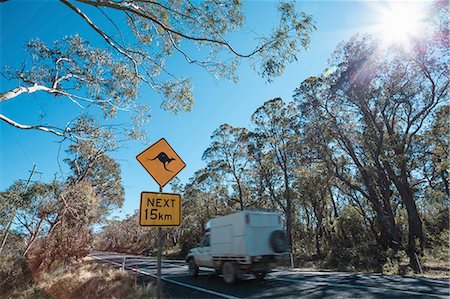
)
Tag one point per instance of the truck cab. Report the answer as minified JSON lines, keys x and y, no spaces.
{"x":202,"y":253}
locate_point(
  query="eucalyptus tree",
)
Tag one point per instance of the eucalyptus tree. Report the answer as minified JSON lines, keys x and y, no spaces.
{"x":435,"y":156}
{"x":137,"y":41}
{"x":276,"y":130}
{"x":32,"y":208}
{"x":434,"y":165}
{"x":333,"y":125}
{"x":265,"y":179}
{"x":90,"y":162}
{"x":367,"y":111}
{"x":206,"y":192}
{"x":126,"y":236}
{"x":227,"y":156}
{"x":55,"y":219}
{"x":205,"y":197}
{"x":312,"y":186}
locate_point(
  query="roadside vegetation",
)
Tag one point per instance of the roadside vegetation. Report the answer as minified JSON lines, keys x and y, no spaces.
{"x":48,"y":225}
{"x":357,"y":163}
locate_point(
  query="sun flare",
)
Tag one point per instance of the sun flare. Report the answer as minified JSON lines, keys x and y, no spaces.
{"x":401,"y":23}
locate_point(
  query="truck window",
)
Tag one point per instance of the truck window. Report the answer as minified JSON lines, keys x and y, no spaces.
{"x":205,"y":241}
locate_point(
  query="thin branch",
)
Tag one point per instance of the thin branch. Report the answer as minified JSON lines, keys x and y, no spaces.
{"x":168,"y":9}
{"x":114,"y":24}
{"x":66,"y":133}
{"x":135,"y":9}
{"x":105,"y":36}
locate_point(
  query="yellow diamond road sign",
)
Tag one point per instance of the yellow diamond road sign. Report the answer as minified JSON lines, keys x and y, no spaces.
{"x":161,"y":162}
{"x":160,"y":209}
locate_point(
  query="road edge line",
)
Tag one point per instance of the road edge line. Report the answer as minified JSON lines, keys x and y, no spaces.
{"x":172,"y":281}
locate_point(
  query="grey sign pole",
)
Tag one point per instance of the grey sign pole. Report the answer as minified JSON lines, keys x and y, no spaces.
{"x":158,"y":273}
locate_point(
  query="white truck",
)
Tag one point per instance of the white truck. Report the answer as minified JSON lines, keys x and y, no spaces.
{"x":239,"y":243}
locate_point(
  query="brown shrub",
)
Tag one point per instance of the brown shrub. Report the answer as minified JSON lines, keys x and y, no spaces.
{"x":85,"y":279}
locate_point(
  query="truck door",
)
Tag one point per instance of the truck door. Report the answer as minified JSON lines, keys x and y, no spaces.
{"x":204,"y":257}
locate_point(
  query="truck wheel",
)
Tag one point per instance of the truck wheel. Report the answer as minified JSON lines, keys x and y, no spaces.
{"x":259,"y":275}
{"x":229,"y":272}
{"x":278,"y":241}
{"x":193,"y":268}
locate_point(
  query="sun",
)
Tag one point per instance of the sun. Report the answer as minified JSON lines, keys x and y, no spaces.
{"x":400,"y":23}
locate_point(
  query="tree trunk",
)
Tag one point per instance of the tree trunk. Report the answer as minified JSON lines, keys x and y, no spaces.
{"x":241,"y":200}
{"x":336,"y":215}
{"x":288,"y":207}
{"x":318,"y":209}
{"x":389,"y":234}
{"x":318,"y":235}
{"x":289,"y":223}
{"x":385,"y":219}
{"x":415,"y":230}
{"x":386,"y":195}
{"x":308,"y":221}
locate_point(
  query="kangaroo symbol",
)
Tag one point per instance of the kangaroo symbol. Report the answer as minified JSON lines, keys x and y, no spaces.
{"x":164,"y":159}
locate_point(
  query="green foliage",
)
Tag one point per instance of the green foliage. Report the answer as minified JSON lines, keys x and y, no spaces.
{"x":395,"y":262}
{"x":143,"y":36}
{"x":291,"y":35}
{"x":227,"y":156}
{"x":364,"y":117}
{"x":337,"y":159}
{"x":353,"y":248}
{"x":90,"y":164}
{"x":54,"y":220}
{"x":435,"y":157}
{"x":438,"y":247}
{"x":72,"y":64}
{"x":126,"y":236}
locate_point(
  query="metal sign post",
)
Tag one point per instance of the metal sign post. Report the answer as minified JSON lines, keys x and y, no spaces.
{"x":158,"y":271}
{"x":160,"y":209}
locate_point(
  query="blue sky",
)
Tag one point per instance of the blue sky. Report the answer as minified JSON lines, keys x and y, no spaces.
{"x":216,"y":102}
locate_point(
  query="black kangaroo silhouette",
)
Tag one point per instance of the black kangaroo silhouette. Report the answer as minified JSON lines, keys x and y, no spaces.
{"x":164,"y":159}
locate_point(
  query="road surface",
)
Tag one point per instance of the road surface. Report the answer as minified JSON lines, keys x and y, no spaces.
{"x":278,"y":284}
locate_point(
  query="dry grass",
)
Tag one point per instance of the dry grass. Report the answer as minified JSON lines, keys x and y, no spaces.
{"x":432,"y":268}
{"x":86,"y":279}
{"x":436,"y":269}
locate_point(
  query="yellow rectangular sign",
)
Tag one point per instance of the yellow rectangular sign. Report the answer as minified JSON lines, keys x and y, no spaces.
{"x":160,"y":209}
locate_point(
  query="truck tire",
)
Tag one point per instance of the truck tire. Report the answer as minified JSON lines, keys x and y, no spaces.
{"x":278,"y":241}
{"x":229,"y":272}
{"x":192,"y":268}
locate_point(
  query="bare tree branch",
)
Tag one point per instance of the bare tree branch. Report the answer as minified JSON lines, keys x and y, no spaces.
{"x":57,"y":131}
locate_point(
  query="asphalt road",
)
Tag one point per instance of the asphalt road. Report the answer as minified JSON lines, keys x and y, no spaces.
{"x":278,"y":284}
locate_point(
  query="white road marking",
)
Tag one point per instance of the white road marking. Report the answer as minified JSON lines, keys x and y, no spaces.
{"x":172,"y":281}
{"x":201,"y":289}
{"x":346,"y":285}
{"x":274,"y":275}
